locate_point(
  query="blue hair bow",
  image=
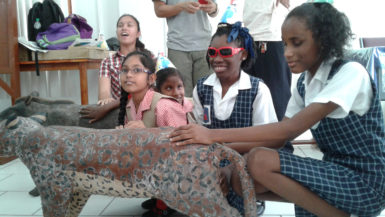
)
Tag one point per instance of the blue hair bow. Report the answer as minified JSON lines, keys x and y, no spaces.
{"x":236,"y":30}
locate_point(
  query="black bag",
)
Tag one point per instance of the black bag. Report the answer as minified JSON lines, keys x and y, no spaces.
{"x":113,"y":43}
{"x":47,"y":13}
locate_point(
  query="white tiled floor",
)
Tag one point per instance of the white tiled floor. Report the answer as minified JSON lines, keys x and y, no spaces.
{"x":15,"y":182}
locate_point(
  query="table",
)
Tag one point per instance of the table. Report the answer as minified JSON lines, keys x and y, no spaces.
{"x":71,"y":64}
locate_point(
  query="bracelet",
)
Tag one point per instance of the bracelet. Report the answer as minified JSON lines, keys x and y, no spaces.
{"x":216,"y":10}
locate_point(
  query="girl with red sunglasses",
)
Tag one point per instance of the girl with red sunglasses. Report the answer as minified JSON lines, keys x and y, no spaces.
{"x":230,"y":98}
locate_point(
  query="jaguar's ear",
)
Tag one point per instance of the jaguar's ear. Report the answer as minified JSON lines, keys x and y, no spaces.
{"x":39,"y":117}
{"x":12,"y":121}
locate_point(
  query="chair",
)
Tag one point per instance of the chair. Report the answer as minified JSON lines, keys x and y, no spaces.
{"x":372,"y":42}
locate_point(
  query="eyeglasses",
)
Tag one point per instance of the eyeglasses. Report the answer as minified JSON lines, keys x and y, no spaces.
{"x":223,"y":51}
{"x":133,"y":71}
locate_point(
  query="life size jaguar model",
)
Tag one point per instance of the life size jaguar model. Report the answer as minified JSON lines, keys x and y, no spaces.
{"x":69,"y":164}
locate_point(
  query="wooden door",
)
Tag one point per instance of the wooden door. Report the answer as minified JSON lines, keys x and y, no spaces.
{"x":9,"y":62}
{"x":9,"y":53}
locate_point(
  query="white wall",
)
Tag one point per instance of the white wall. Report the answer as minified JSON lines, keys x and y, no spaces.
{"x":366,"y":17}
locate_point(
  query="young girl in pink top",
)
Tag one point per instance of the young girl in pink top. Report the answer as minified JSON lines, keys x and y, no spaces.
{"x":169,"y":82}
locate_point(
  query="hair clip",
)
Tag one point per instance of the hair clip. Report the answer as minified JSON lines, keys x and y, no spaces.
{"x":222,"y":25}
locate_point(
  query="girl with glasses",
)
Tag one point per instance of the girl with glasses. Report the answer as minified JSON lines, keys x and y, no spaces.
{"x":145,"y":108}
{"x":230,"y":98}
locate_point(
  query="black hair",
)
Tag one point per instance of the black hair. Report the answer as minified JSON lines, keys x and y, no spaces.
{"x":330,"y":28}
{"x":163,"y":74}
{"x":139,"y":45}
{"x":225,"y":29}
{"x":145,"y":59}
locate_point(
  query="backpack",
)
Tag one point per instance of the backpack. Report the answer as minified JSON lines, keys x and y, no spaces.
{"x":81,"y":24}
{"x":58,"y":36}
{"x":47,"y":13}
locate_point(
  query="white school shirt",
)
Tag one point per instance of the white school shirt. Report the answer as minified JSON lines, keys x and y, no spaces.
{"x":350,"y":88}
{"x":263,"y":108}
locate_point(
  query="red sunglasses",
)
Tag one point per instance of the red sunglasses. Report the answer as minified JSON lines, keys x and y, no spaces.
{"x":223,"y":51}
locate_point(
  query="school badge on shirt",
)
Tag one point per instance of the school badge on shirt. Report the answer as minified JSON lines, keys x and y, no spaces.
{"x":206,"y":114}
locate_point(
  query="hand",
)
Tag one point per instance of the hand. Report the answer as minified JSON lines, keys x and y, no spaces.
{"x":189,"y":134}
{"x":94,"y":113}
{"x":285,"y":3}
{"x":190,"y":6}
{"x":119,"y":127}
{"x":105,"y":101}
{"x":134,"y":124}
{"x":209,"y":8}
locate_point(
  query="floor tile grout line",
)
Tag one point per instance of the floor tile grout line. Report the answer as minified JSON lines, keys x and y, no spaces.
{"x":35,"y":213}
{"x":101,"y":212}
{"x":9,"y":175}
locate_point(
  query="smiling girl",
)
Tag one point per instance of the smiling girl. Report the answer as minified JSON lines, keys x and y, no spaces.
{"x":230,"y":98}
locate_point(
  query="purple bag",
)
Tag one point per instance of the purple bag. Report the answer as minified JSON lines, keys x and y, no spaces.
{"x":59,"y":36}
{"x":81,"y":24}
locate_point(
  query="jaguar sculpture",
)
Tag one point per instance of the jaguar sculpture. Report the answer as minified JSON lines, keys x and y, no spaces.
{"x":69,"y":164}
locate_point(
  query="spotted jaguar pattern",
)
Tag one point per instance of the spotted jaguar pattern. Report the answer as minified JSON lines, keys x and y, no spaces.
{"x":68,"y":164}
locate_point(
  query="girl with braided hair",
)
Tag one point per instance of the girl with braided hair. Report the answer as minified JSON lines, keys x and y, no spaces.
{"x":230,"y":98}
{"x":146,"y":108}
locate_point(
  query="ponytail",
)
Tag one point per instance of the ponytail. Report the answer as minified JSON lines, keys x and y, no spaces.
{"x":123,"y":105}
{"x":139,"y":45}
